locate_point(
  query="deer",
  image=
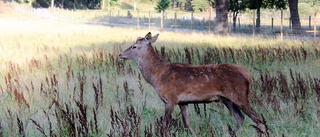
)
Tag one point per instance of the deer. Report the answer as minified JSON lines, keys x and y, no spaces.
{"x":181,"y":84}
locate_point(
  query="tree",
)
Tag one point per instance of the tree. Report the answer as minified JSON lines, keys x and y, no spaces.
{"x":294,"y":15}
{"x":174,"y":3}
{"x":269,"y":4}
{"x":135,"y":2}
{"x":41,"y":3}
{"x":221,"y":16}
{"x":200,"y":5}
{"x":236,"y":6}
{"x":162,"y":5}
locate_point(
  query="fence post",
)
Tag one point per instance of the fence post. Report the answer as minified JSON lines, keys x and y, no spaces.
{"x":149,"y":21}
{"x":175,"y":20}
{"x":209,"y":27}
{"x":281,"y":26}
{"x":191,"y":21}
{"x":309,"y":22}
{"x":110,"y":17}
{"x":161,"y":20}
{"x":102,"y":17}
{"x":138,"y":22}
{"x":315,"y":25}
{"x":271,"y":23}
{"x":290,"y":22}
{"x":82,"y":15}
{"x":253,"y":22}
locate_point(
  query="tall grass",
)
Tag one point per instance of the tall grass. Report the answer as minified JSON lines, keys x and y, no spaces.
{"x":68,"y":81}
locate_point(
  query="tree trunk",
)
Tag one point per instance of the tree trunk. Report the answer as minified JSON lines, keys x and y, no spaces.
{"x":135,"y":5}
{"x":293,"y":6}
{"x":102,"y":5}
{"x":258,"y":19}
{"x":52,"y":3}
{"x":234,"y":20}
{"x":221,"y":16}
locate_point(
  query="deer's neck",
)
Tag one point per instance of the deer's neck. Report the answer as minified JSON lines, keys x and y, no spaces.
{"x":151,"y":66}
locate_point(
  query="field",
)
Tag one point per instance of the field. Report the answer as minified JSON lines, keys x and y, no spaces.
{"x":65,"y":79}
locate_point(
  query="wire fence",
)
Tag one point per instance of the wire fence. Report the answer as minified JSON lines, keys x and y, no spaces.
{"x":274,"y":23}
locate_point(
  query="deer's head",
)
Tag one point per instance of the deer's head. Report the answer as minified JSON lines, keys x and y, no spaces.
{"x":139,"y":48}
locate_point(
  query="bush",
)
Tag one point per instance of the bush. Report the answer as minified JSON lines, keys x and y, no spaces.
{"x":41,"y":3}
{"x":162,"y":5}
{"x":304,"y":9}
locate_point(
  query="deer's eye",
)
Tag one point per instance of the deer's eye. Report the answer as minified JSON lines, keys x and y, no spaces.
{"x":133,"y":47}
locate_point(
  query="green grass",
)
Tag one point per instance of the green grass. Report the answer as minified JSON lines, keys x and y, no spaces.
{"x":61,"y":78}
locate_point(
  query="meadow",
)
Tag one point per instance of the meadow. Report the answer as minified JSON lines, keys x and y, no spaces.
{"x":65,"y":79}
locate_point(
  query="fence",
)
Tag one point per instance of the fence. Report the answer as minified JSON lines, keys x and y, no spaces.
{"x":275,"y":23}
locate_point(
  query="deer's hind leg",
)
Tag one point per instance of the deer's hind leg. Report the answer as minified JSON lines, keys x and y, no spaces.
{"x":234,"y":110}
{"x":247,"y":109}
{"x":185,"y":117}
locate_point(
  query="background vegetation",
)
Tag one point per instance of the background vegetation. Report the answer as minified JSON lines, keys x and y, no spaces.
{"x":65,"y":79}
{"x":223,"y":9}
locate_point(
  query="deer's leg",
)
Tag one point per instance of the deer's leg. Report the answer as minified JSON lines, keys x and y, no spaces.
{"x":247,"y":109}
{"x":234,"y":110}
{"x":167,"y":115}
{"x":242,"y":102}
{"x":244,"y":105}
{"x":185,"y":117}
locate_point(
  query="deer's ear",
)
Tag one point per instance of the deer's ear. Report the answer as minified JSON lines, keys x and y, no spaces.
{"x":154,"y":38}
{"x":148,"y":36}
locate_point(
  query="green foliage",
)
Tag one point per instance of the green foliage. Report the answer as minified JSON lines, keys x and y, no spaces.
{"x":269,"y":4}
{"x":276,"y":4}
{"x":199,"y":5}
{"x":237,"y":6}
{"x":304,"y":9}
{"x":313,"y":3}
{"x":162,"y":5}
{"x":41,"y":3}
{"x":113,"y":2}
{"x":71,"y":4}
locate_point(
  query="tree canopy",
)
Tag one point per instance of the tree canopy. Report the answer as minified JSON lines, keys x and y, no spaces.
{"x":162,"y":5}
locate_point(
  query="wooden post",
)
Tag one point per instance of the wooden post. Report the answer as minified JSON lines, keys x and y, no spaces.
{"x":161,"y":20}
{"x":138,"y":21}
{"x":290,"y":24}
{"x":191,"y":21}
{"x":271,"y":23}
{"x":309,"y":22}
{"x":82,"y":14}
{"x":149,"y":19}
{"x":281,"y":27}
{"x":253,"y":22}
{"x":110,"y":17}
{"x":175,"y":20}
{"x":315,"y":25}
{"x":209,"y":27}
{"x":239,"y":23}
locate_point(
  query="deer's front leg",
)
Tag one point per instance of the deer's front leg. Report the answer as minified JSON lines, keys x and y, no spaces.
{"x":167,"y":115}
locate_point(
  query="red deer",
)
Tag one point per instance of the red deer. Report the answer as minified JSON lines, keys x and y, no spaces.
{"x":181,"y":84}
